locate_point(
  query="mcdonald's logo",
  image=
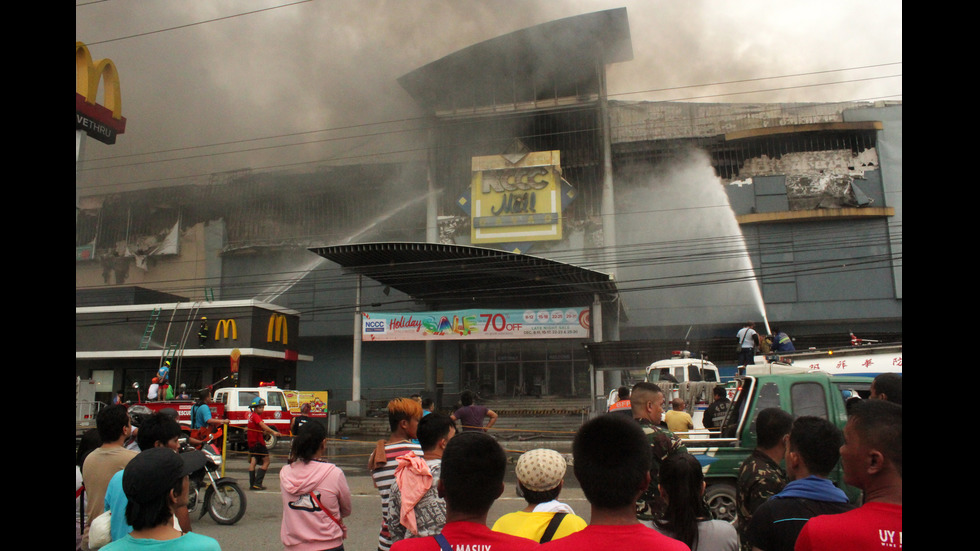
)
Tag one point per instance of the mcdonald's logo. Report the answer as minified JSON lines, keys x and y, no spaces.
{"x":101,"y":122}
{"x":226,"y":324}
{"x":277,"y":323}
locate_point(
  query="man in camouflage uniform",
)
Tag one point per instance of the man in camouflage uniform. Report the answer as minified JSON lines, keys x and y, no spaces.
{"x":647,"y":402}
{"x":760,"y":475}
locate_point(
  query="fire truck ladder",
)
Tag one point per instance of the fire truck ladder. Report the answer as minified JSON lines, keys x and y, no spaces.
{"x":150,"y":326}
{"x":175,"y":351}
{"x":169,"y":353}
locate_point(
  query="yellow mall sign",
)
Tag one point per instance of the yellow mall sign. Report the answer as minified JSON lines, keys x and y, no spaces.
{"x":100,"y":122}
{"x":516,"y":201}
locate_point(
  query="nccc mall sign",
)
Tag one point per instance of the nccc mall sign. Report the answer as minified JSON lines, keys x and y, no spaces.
{"x":516,"y":198}
{"x":100,"y":122}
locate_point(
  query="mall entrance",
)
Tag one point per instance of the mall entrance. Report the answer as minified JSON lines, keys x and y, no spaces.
{"x":558,"y":367}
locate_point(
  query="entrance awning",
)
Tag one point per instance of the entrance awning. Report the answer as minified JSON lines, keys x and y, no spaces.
{"x":439,"y":274}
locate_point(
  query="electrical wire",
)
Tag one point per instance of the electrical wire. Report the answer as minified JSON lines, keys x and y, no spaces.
{"x":426,"y":126}
{"x":337,"y":282}
{"x":618,"y":258}
{"x":196,"y":23}
{"x":335,"y":158}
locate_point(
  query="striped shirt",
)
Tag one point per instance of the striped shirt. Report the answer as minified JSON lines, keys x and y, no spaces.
{"x":384,"y":477}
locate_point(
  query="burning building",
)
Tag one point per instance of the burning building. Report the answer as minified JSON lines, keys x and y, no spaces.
{"x":542,"y":216}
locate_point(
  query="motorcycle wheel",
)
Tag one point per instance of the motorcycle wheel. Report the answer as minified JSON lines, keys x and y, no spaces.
{"x":226,"y":503}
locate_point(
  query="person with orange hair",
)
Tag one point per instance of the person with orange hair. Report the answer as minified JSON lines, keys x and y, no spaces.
{"x":404,"y":415}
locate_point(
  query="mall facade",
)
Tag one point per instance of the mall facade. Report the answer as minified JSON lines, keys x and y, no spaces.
{"x":547,"y":234}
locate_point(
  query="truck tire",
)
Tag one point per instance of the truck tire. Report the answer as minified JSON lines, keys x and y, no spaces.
{"x":271,"y":440}
{"x":720,"y":498}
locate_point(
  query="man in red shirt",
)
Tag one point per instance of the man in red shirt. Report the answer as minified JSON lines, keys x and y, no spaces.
{"x":871,"y":458}
{"x":472,"y":478}
{"x":257,"y":451}
{"x":612,"y":463}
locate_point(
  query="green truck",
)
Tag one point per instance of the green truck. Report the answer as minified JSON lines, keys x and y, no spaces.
{"x":814,"y":394}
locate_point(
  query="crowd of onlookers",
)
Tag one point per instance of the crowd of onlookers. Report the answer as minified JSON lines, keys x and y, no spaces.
{"x":439,"y":474}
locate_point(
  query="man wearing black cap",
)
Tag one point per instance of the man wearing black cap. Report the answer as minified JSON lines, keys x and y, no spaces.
{"x":156,"y":484}
{"x":159,"y":430}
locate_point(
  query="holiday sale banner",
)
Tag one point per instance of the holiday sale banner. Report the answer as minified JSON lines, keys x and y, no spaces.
{"x":554,"y":323}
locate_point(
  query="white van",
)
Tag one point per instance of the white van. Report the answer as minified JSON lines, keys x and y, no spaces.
{"x":689,"y":378}
{"x":671,"y":374}
{"x":682,"y":368}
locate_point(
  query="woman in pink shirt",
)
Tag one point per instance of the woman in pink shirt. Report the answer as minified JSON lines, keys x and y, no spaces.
{"x":315,"y":495}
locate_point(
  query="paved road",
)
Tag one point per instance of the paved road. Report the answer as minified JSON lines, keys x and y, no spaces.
{"x":259,"y":529}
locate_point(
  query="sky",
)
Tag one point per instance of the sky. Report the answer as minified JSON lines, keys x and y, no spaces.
{"x":225,"y":85}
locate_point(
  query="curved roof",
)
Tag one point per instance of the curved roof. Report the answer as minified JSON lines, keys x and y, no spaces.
{"x":551,"y":60}
{"x":452,"y":274}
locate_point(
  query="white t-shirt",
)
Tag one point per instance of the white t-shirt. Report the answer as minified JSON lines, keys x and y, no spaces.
{"x":745,"y":337}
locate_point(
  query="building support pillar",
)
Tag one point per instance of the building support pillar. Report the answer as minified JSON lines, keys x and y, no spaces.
{"x":431,"y":236}
{"x":598,"y":383}
{"x":355,"y":407}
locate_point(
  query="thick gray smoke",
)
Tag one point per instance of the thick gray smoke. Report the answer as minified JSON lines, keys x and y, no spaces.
{"x":324,"y":73}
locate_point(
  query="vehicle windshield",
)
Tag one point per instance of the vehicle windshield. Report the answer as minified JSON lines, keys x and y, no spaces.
{"x":730,"y":424}
{"x":276,"y":399}
{"x":664,"y":374}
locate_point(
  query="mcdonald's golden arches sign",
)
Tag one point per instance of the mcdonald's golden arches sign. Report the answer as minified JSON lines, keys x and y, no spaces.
{"x":226,"y":325}
{"x":278,"y":329}
{"x":102,"y":122}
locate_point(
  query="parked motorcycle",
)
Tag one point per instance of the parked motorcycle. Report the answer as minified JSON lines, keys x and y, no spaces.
{"x":221,"y":497}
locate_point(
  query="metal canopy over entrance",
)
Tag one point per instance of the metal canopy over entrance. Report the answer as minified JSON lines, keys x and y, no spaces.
{"x":446,"y":275}
{"x":442,"y":275}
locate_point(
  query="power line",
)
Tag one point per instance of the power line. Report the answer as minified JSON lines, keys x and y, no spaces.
{"x":646,"y":285}
{"x":168,"y":29}
{"x":427,"y":127}
{"x":377,"y":156}
{"x":680,"y":252}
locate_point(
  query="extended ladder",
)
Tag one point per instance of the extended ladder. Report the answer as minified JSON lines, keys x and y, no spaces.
{"x":150,"y":326}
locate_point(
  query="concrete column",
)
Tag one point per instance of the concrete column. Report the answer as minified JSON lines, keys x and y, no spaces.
{"x":608,"y":207}
{"x":355,"y":408}
{"x":598,"y":380}
{"x":431,"y":236}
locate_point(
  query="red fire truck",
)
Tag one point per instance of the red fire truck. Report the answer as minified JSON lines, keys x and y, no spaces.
{"x":232,"y":403}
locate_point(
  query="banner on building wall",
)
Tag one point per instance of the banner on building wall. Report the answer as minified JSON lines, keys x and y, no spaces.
{"x":544,"y":323}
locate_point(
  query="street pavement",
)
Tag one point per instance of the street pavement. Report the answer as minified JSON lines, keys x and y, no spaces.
{"x":259,"y":529}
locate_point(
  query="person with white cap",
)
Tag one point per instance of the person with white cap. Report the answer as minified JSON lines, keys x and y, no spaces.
{"x":540,"y":476}
{"x":156,"y":484}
